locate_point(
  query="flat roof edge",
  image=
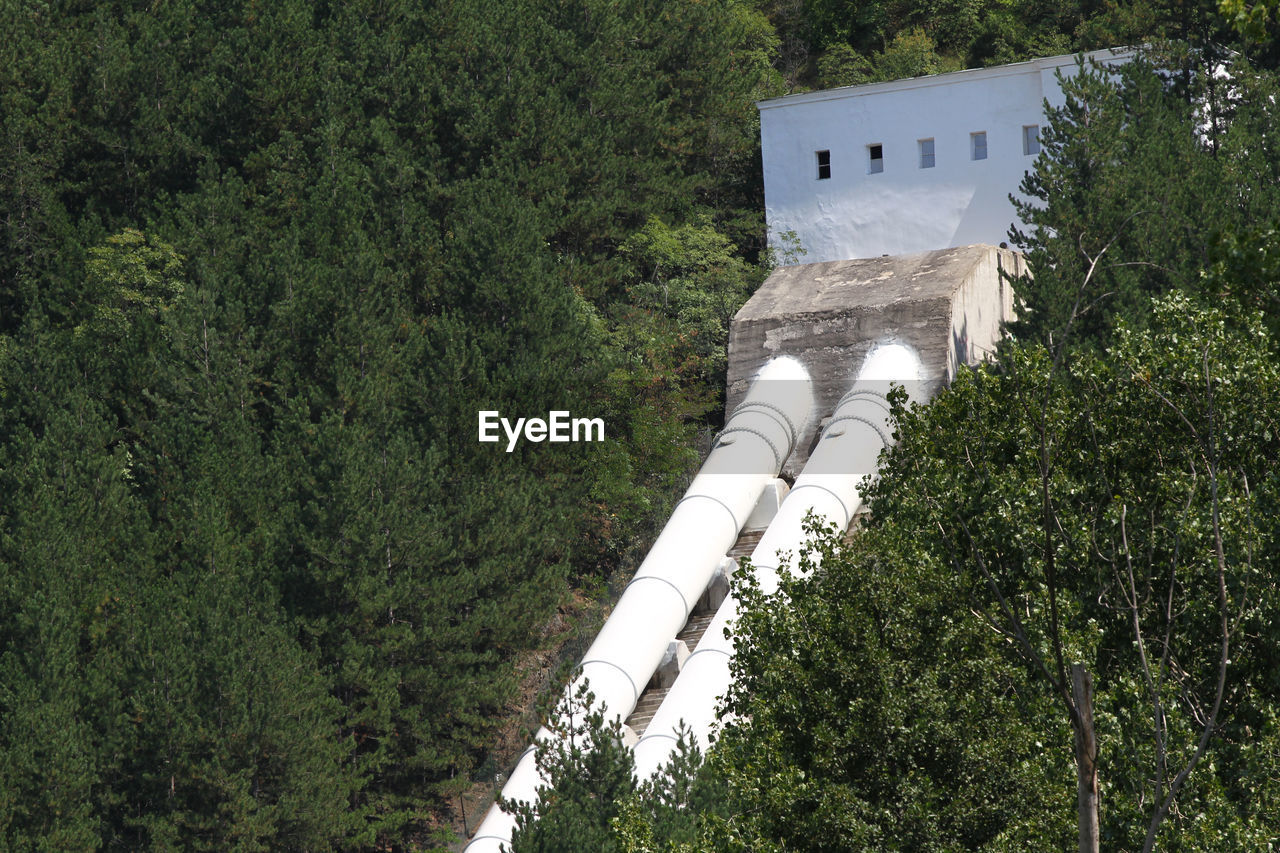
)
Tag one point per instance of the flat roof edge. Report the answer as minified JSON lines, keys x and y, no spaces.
{"x":775,"y":296}
{"x":1013,"y":68}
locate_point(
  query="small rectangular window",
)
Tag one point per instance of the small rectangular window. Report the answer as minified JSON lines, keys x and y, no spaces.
{"x":824,"y":165}
{"x":978,"y":145}
{"x":1030,"y":139}
{"x":926,"y":153}
{"x":875,"y":157}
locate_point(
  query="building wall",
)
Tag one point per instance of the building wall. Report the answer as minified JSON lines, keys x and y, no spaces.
{"x":905,"y":208}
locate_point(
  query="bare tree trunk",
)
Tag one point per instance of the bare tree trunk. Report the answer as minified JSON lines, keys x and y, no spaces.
{"x":1086,"y":759}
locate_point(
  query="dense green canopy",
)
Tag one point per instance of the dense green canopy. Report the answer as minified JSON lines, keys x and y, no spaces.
{"x":260,"y":267}
{"x":262,"y":264}
{"x":1115,"y":513}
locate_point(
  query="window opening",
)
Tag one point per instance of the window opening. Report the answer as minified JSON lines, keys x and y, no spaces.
{"x":875,"y":154}
{"x":1031,"y":139}
{"x":926,"y":153}
{"x":824,"y":165}
{"x":978,"y":145}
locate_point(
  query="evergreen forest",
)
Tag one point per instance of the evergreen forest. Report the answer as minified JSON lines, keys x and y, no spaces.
{"x":262,"y":263}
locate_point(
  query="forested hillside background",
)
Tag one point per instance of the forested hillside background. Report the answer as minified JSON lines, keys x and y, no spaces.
{"x":262,"y":263}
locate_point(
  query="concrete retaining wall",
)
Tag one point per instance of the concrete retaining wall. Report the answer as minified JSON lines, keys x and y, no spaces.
{"x":948,"y":305}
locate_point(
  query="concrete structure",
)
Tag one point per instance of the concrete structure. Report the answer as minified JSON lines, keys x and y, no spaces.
{"x":909,"y":165}
{"x":947,"y":305}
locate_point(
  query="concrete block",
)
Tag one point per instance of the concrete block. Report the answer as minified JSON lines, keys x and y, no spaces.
{"x":718,"y":590}
{"x":767,"y":507}
{"x":672,"y":660}
{"x":949,"y":305}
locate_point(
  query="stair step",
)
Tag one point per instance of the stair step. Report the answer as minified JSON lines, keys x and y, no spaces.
{"x":648,"y":705}
{"x":694,"y":629}
{"x":648,"y":702}
{"x":747,"y":542}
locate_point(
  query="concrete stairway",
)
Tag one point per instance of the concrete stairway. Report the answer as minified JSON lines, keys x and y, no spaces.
{"x":690,"y":635}
{"x":693,"y":630}
{"x":746,"y":543}
{"x":648,"y":705}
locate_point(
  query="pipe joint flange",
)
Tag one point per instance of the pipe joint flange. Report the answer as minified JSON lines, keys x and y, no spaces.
{"x":777,"y":458}
{"x":733,"y":519}
{"x":750,"y":404}
{"x":848,"y":516}
{"x":883,"y":399}
{"x":656,"y":736}
{"x":883,"y":438}
{"x":634,"y":691}
{"x":683,"y":601}
{"x":708,"y":651}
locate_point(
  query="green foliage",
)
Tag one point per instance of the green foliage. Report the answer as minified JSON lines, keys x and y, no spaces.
{"x":588,"y":773}
{"x":261,"y":268}
{"x":841,"y":65}
{"x":1114,"y":512}
{"x":679,"y":807}
{"x":827,"y":43}
{"x":153,"y":696}
{"x":1137,"y":176}
{"x":134,"y":278}
{"x":693,"y":285}
{"x":1086,"y":513}
{"x":591,"y":801}
{"x":1251,"y":20}
{"x":871,"y":712}
{"x":910,"y":54}
{"x":1246,"y":273}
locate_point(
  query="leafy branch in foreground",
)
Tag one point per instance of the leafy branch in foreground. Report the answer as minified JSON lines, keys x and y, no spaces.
{"x":1114,"y":514}
{"x":592,"y":802}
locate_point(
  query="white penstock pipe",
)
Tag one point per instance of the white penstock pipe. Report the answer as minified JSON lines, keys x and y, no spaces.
{"x":848,"y":451}
{"x":757,"y":438}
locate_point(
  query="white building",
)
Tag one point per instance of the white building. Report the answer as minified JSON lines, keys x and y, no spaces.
{"x":909,"y":165}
